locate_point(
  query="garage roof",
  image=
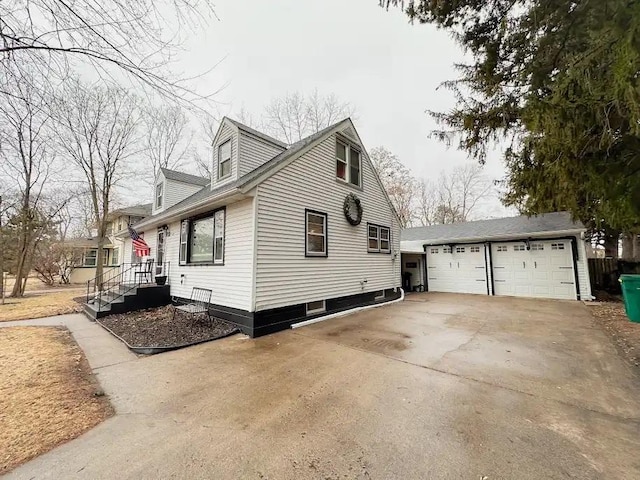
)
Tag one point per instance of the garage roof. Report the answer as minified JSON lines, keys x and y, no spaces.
{"x":497,"y":228}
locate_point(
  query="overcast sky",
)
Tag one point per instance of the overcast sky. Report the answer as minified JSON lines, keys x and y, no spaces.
{"x":373,"y":58}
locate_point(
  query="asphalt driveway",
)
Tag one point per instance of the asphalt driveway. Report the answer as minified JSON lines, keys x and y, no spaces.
{"x":438,"y":386}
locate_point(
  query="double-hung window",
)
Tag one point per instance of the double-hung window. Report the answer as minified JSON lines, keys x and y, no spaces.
{"x":378,"y":238}
{"x":348,"y":163}
{"x":224,"y":159}
{"x":90,"y":258}
{"x":316,"y":234}
{"x":202,"y":239}
{"x":159,"y":194}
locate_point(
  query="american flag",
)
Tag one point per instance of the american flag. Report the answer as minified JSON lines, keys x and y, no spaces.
{"x":139,"y":245}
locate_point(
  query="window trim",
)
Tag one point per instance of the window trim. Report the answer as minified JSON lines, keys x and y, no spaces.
{"x":115,"y":257}
{"x":315,"y":310}
{"x":379,"y":238}
{"x":308,"y":254}
{"x":348,"y":144}
{"x":105,"y":257}
{"x":160,"y":186}
{"x":95,"y":258}
{"x":195,"y":218}
{"x":220,"y":145}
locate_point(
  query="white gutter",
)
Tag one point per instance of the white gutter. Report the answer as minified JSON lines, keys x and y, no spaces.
{"x":161,"y":218}
{"x":347,"y":312}
{"x":497,"y":238}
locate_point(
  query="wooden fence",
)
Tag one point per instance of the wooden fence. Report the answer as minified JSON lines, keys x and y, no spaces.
{"x":605,"y":272}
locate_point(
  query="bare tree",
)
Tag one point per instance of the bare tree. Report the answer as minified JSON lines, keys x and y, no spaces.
{"x":138,"y":38}
{"x":295,"y":116}
{"x":26,"y":155}
{"x":99,"y":137}
{"x":167,"y":140}
{"x":397,"y":181}
{"x":426,"y":205}
{"x":458,"y":194}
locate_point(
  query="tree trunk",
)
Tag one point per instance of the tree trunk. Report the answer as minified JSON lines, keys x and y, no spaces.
{"x":611,"y":246}
{"x":21,"y":274}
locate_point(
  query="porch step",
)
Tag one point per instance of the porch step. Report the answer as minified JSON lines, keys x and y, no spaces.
{"x":92,"y":311}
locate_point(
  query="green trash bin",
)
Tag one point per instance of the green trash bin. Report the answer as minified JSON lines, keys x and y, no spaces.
{"x":631,"y":294}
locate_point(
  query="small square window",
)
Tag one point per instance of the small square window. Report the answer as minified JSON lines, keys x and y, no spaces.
{"x":459,"y":249}
{"x":434,"y":250}
{"x":446,"y":250}
{"x":474,"y":249}
{"x":159,"y":194}
{"x":316,"y":307}
{"x":518,"y":248}
{"x":537,"y":246}
{"x":557,"y":246}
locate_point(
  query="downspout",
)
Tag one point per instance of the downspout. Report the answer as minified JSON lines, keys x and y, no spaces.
{"x":493,"y":286}
{"x":574,"y":256}
{"x":426,"y":270}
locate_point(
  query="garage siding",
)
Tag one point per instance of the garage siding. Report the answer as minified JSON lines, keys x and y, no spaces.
{"x":583,"y":270}
{"x":284,"y":275}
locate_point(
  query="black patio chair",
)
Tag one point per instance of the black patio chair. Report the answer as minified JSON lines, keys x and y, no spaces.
{"x":146,"y":272}
{"x":198,"y":303}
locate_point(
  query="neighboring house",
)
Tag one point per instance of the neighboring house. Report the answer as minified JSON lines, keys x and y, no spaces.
{"x":88,"y":252}
{"x":280,"y":234}
{"x":539,"y":256}
{"x":117,"y":225}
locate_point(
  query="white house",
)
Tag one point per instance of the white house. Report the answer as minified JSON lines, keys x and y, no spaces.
{"x":540,"y":256}
{"x":279,"y":233}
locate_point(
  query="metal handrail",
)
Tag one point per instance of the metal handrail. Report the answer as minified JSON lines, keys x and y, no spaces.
{"x":130,"y":274}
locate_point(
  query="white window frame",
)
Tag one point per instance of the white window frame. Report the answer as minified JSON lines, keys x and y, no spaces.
{"x":557,"y":246}
{"x":218,"y":253}
{"x":348,"y":164}
{"x":308,"y":253}
{"x":460,"y":249}
{"x":474,"y":249}
{"x":434,"y":251}
{"x":115,"y":256}
{"x":105,"y":257}
{"x":519,"y":248}
{"x":184,"y":242}
{"x":321,"y":309}
{"x":93,"y":257}
{"x":446,"y":249}
{"x":378,"y":238}
{"x":221,"y":161}
{"x":159,"y":195}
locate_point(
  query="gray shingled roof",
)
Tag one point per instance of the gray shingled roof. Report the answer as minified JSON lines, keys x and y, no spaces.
{"x":494,"y":228}
{"x":255,"y":132}
{"x":206,"y":191}
{"x":283,"y":156}
{"x":184,"y":177}
{"x":143,"y":210}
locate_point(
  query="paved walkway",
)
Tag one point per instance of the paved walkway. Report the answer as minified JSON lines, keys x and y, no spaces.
{"x":438,"y":386}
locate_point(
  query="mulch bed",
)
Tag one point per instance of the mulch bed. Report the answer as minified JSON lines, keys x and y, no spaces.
{"x":625,"y":333}
{"x":155,"y":327}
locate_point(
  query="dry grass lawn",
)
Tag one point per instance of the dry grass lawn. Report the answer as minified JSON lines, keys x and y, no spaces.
{"x":36,"y":306}
{"x":48,"y":394}
{"x":624,"y":332}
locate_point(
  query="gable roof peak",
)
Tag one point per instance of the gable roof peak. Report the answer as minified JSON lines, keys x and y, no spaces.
{"x":184,"y":177}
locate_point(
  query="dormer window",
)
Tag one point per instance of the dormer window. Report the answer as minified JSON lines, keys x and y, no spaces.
{"x":224,"y":159}
{"x":159,"y":192}
{"x":348,"y":165}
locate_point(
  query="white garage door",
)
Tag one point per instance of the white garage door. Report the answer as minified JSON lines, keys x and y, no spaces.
{"x":545,"y":270}
{"x":457,"y":269}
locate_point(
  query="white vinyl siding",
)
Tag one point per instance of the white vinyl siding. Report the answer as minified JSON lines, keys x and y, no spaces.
{"x":172,"y":192}
{"x":175,"y":192}
{"x":284,"y":276}
{"x":232,"y":282}
{"x":583,"y":270}
{"x":253,"y":152}
{"x":226,"y":132}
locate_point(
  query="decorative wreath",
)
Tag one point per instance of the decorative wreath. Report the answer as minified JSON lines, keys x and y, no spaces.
{"x":352,"y":209}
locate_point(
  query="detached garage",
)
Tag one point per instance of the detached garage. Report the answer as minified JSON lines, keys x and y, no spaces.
{"x":542,"y":256}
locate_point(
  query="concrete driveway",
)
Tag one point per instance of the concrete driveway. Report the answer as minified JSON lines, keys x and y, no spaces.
{"x":438,"y":386}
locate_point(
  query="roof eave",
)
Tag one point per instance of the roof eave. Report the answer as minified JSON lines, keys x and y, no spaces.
{"x":224,"y":198}
{"x":503,"y":237}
